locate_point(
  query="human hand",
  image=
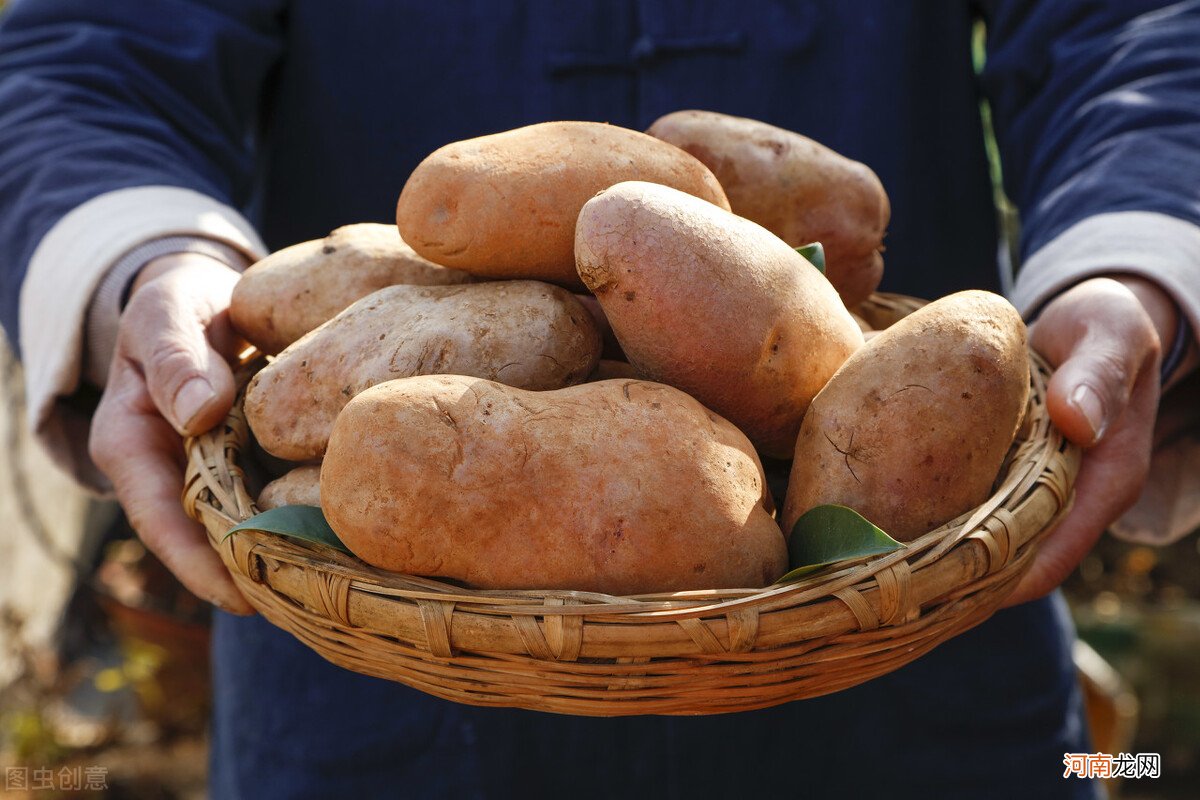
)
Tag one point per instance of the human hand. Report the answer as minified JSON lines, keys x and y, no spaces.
{"x":170,"y":377}
{"x":1104,"y":337}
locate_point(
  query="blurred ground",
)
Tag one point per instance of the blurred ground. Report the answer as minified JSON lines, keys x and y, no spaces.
{"x":1139,"y":607}
{"x":50,"y":528}
{"x":104,"y":680}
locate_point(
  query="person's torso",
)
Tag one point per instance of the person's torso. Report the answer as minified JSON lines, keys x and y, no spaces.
{"x":367,"y":89}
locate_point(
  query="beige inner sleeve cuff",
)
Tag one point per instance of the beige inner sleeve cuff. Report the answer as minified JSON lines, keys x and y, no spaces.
{"x":104,"y":312}
{"x":1163,"y":249}
{"x":65,"y":270}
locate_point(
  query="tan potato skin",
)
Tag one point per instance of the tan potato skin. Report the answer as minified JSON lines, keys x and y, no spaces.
{"x":504,"y":206}
{"x":913,"y":429}
{"x":294,"y":290}
{"x":715,"y":305}
{"x":794,"y":187}
{"x":524,"y":333}
{"x":862,"y":324}
{"x":300,"y":487}
{"x":621,"y":487}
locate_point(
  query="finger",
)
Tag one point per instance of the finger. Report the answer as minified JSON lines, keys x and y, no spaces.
{"x":143,"y":456}
{"x":1109,"y":483}
{"x":228,"y":343}
{"x":1089,"y":390}
{"x":1099,"y":356}
{"x":189,"y":381}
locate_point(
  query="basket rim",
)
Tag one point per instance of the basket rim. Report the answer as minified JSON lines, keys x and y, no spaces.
{"x":697,"y":652}
{"x":651,"y":606}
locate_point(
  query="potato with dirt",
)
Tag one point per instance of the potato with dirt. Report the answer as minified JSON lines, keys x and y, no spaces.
{"x":794,"y":187}
{"x":913,"y":429}
{"x":621,"y":487}
{"x":505,"y":205}
{"x":715,"y":305}
{"x":524,"y":333}
{"x":299,"y":487}
{"x":293,"y":290}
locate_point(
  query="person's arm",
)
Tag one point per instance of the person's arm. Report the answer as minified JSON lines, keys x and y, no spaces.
{"x":1097,"y":110}
{"x":120,"y":124}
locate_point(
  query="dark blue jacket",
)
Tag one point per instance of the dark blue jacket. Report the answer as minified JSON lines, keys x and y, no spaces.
{"x":310,"y":114}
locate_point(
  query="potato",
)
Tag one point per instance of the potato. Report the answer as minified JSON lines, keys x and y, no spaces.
{"x":862,"y":324}
{"x":620,"y":486}
{"x":913,"y":429}
{"x":715,"y":305}
{"x":610,"y":347}
{"x":794,"y":187}
{"x":609,"y":369}
{"x":300,"y":487}
{"x":504,"y":206}
{"x":293,"y":290}
{"x":527,"y":334}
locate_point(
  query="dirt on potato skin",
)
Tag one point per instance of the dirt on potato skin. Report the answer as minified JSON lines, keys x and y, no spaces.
{"x":524,"y":333}
{"x":619,"y":486}
{"x":505,"y":205}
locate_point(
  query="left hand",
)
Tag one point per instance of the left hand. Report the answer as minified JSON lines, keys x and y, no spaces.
{"x":1104,"y":337}
{"x":170,"y":378}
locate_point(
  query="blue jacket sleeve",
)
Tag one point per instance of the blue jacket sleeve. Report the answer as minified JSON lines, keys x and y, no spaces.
{"x":1097,"y":108}
{"x":96,"y":97}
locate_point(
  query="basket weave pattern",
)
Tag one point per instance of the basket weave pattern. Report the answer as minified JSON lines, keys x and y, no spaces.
{"x":698,"y":652}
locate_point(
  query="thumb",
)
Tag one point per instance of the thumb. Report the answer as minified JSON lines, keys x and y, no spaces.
{"x":1089,"y":392}
{"x":166,"y":333}
{"x":1100,"y":356}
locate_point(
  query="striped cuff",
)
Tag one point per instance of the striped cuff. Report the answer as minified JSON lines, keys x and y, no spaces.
{"x":104,"y":312}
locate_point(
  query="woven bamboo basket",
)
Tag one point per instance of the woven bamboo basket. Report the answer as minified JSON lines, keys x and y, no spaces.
{"x":701,"y":652}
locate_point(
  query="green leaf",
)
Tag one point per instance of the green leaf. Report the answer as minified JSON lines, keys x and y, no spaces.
{"x":814,"y":253}
{"x":298,"y":522}
{"x":828,"y":534}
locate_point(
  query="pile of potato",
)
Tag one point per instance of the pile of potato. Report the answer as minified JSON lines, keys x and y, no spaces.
{"x":444,"y":385}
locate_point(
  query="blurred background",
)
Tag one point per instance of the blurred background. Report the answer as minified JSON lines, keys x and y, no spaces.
{"x":103,"y":656}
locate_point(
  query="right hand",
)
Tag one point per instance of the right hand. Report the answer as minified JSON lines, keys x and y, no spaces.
{"x":1104,"y":338}
{"x":170,"y":378}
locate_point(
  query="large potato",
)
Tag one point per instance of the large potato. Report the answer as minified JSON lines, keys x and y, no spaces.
{"x":505,"y":205}
{"x":300,"y":487}
{"x":715,"y":305}
{"x":293,"y":290}
{"x":523,"y":333}
{"x":913,"y":429}
{"x":794,"y":187}
{"x":620,"y":486}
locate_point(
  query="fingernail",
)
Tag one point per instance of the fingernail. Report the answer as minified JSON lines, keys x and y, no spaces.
{"x":191,"y":399}
{"x":1089,"y":404}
